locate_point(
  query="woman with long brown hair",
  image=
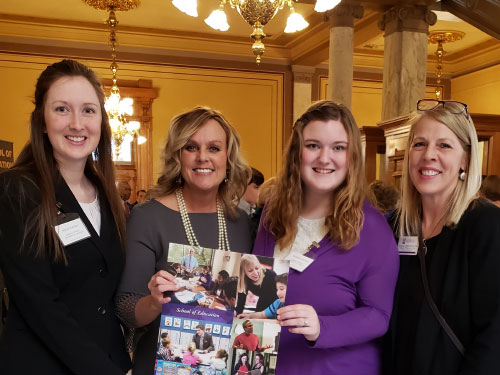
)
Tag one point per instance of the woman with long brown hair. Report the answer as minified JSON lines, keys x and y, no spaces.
{"x":61,"y":230}
{"x":318,"y":216}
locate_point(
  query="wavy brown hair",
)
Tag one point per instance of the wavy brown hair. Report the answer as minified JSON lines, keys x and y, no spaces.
{"x":182,"y":128}
{"x":36,"y":162}
{"x":346,"y":219}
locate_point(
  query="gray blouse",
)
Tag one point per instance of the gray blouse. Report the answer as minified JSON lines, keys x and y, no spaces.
{"x":150,"y":229}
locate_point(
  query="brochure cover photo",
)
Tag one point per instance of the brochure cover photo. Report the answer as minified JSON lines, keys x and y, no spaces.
{"x":222,"y":320}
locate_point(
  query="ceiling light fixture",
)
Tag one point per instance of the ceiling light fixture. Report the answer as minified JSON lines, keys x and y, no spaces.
{"x":324,"y":5}
{"x":190,"y":7}
{"x":439,"y":38}
{"x":118,"y":109}
{"x":257,"y":13}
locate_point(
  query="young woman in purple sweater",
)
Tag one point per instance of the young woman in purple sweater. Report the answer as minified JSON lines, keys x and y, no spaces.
{"x":341,"y":303}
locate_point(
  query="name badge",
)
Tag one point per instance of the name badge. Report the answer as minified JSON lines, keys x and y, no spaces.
{"x":71,"y":229}
{"x":408,"y":245}
{"x":299,"y":262}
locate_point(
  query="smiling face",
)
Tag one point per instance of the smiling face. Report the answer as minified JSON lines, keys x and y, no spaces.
{"x":248,"y":328}
{"x":204,"y":158}
{"x":435,"y":159}
{"x":199,"y":331}
{"x":281,"y":291}
{"x":73,"y":119}
{"x":252,"y":271}
{"x":324,"y":162}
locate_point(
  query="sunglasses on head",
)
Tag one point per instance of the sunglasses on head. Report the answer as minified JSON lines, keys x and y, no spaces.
{"x":452,"y":106}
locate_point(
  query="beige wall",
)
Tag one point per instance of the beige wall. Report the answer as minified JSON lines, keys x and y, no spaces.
{"x":16,"y":97}
{"x":480,"y":90}
{"x":366,"y":100}
{"x":252,"y":102}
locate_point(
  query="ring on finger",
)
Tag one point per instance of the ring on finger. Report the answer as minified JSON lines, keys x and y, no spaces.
{"x":306,"y":323}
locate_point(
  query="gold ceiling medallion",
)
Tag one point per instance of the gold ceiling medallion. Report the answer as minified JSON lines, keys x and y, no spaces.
{"x":441,"y":37}
{"x":122,"y":5}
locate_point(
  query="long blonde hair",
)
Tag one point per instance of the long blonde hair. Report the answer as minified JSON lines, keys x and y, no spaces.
{"x":410,"y":213}
{"x":346,"y":220}
{"x":248,"y":260}
{"x":182,"y":128}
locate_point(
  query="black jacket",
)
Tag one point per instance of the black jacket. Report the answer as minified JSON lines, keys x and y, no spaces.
{"x":61,"y":318}
{"x":464,"y":279}
{"x":208,"y":343}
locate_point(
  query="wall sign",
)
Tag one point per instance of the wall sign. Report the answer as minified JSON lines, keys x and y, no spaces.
{"x":6,"y":155}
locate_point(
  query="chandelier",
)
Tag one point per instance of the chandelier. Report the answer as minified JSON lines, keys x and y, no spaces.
{"x":118,"y":109}
{"x":257,"y":13}
{"x":439,"y":38}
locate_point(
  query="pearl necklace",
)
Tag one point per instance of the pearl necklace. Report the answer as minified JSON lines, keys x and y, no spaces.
{"x":186,"y":223}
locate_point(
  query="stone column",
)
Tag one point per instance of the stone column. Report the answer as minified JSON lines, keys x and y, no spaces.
{"x":340,"y":70}
{"x":302,"y":89}
{"x":405,"y":58}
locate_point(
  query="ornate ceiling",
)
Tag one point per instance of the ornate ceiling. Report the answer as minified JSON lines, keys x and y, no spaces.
{"x":157,"y":31}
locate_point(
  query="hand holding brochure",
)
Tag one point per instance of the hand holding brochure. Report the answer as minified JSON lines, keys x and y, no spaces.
{"x":201,"y":332}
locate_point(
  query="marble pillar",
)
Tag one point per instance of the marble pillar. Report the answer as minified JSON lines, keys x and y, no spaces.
{"x":340,"y":68}
{"x":302,"y":89}
{"x":405,"y":58}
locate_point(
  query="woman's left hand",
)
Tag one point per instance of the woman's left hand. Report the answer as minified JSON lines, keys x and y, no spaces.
{"x":303,"y":320}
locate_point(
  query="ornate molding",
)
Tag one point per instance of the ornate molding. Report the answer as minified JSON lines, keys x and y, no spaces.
{"x":302,"y":77}
{"x":343,"y":15}
{"x":407,"y":18}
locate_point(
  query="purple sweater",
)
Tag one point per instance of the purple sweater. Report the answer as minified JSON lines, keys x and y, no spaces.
{"x":352,"y":293}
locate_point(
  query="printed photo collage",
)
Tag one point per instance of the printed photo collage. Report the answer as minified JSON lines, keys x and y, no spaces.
{"x":222,"y":319}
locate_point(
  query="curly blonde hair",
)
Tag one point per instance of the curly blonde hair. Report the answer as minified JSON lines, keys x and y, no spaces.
{"x":346,"y":220}
{"x":182,"y":128}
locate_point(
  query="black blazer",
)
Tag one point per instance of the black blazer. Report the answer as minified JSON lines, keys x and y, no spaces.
{"x":208,"y":343}
{"x":464,"y":279}
{"x":61,"y":317}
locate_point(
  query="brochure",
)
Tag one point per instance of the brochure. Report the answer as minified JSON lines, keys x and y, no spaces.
{"x":222,"y":320}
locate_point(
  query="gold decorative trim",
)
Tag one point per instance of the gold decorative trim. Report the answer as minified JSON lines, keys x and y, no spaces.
{"x":121,"y":5}
{"x":438,"y":36}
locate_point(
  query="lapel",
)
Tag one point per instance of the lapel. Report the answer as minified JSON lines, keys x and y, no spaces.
{"x":69,"y":204}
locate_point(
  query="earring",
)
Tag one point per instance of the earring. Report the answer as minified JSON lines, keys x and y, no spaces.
{"x":227,"y":176}
{"x":179,"y":179}
{"x":461,"y":176}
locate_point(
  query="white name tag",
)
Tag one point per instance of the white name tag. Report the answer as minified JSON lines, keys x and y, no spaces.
{"x":72,"y":231}
{"x":408,"y":245}
{"x":299,"y":262}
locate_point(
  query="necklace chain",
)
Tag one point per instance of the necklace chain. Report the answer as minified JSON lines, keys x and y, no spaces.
{"x":186,"y":223}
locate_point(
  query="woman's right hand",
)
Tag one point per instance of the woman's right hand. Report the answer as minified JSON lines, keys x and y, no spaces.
{"x":161,"y":282}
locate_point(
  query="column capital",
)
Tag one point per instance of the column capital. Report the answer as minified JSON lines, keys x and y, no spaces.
{"x":343,"y":15}
{"x":303,"y":74}
{"x":413,"y":18}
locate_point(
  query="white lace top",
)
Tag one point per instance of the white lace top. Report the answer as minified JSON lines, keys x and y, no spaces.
{"x":93,"y":212}
{"x":308,"y":230}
